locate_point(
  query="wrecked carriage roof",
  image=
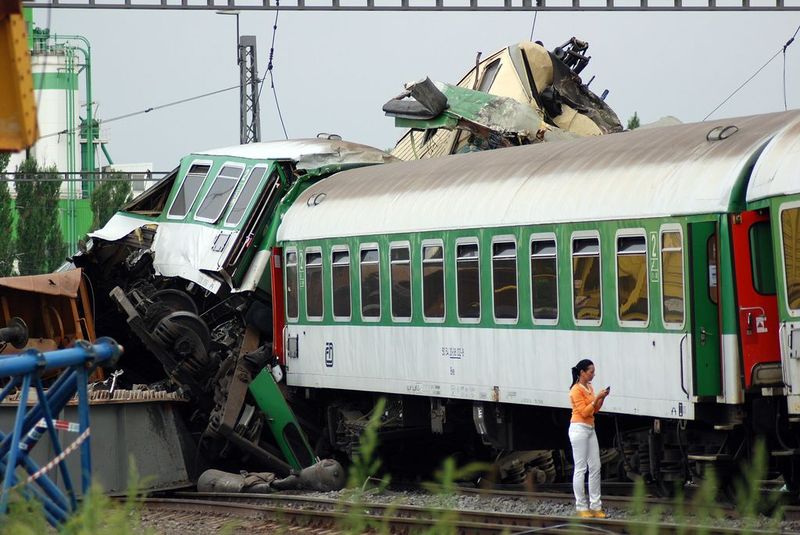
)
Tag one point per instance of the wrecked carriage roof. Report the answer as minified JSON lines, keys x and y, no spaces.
{"x":311,"y":153}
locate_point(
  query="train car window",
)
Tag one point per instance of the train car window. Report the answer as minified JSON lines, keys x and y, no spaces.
{"x":544,"y":279}
{"x":370,"y":283}
{"x":245,"y":196}
{"x":340,"y":275}
{"x":291,"y":284}
{"x":790,"y":230}
{"x":489,"y":76}
{"x":400,"y":258}
{"x":189,"y":189}
{"x":314,"y":284}
{"x":468,"y":281}
{"x":633,"y":305}
{"x":672,"y":304}
{"x":433,"y":281}
{"x":762,"y":261}
{"x":504,"y":280}
{"x":219,"y":193}
{"x":587,"y":299}
{"x":711,"y":255}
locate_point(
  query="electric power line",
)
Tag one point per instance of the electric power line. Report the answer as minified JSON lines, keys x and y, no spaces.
{"x":789,"y":42}
{"x":147,"y":110}
{"x":783,"y":50}
{"x":269,"y":71}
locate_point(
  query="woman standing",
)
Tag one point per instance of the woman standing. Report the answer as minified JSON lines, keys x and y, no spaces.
{"x":585,"y":450}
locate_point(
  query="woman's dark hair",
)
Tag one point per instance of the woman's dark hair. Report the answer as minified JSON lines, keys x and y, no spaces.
{"x":582,"y":366}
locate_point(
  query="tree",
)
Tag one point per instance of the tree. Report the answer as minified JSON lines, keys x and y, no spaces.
{"x":633,"y":122}
{"x":108,"y":197}
{"x":40,"y":247}
{"x":7,"y":245}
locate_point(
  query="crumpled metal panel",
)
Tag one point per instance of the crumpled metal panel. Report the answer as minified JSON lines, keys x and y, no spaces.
{"x":308,"y":154}
{"x":777,"y":171}
{"x":65,"y":283}
{"x":644,"y":173}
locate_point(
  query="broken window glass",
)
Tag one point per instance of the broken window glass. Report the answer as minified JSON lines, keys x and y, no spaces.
{"x":189,"y":189}
{"x":219,"y":193}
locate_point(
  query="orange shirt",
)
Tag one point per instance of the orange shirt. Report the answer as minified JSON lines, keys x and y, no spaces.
{"x":582,"y":398}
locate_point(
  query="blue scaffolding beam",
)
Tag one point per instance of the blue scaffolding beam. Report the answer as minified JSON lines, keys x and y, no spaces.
{"x":24,"y":371}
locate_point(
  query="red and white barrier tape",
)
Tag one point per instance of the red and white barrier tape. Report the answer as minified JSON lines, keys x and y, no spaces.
{"x":52,"y":464}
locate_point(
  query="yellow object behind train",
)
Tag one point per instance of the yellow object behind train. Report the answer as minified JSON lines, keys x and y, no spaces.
{"x":18,"y":128}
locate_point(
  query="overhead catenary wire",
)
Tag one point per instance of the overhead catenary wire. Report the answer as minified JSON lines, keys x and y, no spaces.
{"x":789,"y":42}
{"x":270,"y":71}
{"x":535,"y":15}
{"x":203,"y":95}
{"x":781,"y":50}
{"x":147,"y":110}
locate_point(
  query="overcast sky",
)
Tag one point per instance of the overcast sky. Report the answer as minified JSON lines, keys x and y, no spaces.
{"x":333,"y":70}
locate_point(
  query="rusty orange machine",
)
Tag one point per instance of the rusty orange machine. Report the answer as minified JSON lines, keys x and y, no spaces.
{"x":45,"y":312}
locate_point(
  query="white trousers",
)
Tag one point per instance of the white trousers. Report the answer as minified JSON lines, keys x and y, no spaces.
{"x":585,"y":453}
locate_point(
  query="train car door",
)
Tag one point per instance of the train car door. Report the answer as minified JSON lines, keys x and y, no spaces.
{"x":788,"y":242}
{"x":705,"y":326}
{"x":757,"y":302}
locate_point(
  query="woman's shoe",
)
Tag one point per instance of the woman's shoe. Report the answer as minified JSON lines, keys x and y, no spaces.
{"x":598,"y":513}
{"x":585,"y":513}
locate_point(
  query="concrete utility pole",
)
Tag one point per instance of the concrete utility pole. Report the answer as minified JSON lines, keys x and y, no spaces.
{"x":249,"y":114}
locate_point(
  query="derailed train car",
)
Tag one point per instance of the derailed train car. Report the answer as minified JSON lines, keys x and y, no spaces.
{"x":465,"y":287}
{"x":182,"y":276}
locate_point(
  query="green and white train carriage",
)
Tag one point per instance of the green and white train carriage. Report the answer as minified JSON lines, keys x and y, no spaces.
{"x":480,"y":279}
{"x":774,"y":191}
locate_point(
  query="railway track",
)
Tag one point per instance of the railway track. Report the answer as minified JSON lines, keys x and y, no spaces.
{"x":305,"y":514}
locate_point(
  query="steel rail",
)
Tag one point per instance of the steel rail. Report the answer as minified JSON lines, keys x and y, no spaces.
{"x":316,"y":511}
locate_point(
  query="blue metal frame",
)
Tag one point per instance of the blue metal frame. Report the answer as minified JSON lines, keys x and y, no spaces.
{"x":24,"y":370}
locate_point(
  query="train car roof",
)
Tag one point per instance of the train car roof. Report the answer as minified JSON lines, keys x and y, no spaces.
{"x":674,"y":170}
{"x":309,"y":153}
{"x":777,"y":171}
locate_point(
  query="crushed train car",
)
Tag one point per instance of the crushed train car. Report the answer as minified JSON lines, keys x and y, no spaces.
{"x":543,"y":89}
{"x":183,"y":275}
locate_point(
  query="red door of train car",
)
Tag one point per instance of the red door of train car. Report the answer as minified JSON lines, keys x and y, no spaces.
{"x":278,"y":318}
{"x":757,"y":302}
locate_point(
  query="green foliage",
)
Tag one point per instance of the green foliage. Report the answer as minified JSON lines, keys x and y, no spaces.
{"x":757,"y":508}
{"x":25,"y":517}
{"x":366,"y":464}
{"x":40,"y":248}
{"x":5,"y":157}
{"x":445,"y":488}
{"x":97,"y":514}
{"x":633,"y":122}
{"x":108,"y":197}
{"x":751,"y":499}
{"x":647,"y":522}
{"x":7,"y":242}
{"x":363,"y":470}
